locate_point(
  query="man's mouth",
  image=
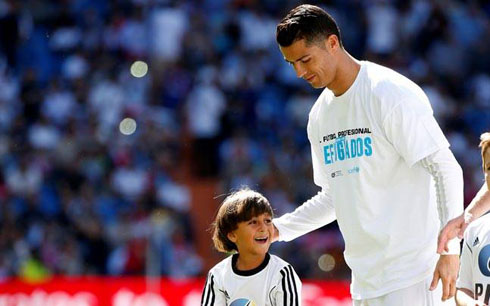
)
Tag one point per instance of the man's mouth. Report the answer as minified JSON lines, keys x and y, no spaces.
{"x":310,"y":78}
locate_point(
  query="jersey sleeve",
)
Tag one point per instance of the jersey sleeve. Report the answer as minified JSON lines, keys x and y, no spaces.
{"x":319,"y":175}
{"x":412,"y":129}
{"x":288,"y":290}
{"x":211,"y":295}
{"x":448,"y":179}
{"x":465,"y":278}
{"x":314,"y":213}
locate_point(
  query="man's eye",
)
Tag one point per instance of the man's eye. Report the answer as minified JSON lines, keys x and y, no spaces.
{"x":305,"y":61}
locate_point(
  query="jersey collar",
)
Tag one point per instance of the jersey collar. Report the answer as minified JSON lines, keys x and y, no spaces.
{"x":249,"y":272}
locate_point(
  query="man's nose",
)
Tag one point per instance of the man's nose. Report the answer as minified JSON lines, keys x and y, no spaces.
{"x":300,"y":71}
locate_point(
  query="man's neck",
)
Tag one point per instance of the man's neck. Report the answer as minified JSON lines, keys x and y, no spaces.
{"x":347,"y":71}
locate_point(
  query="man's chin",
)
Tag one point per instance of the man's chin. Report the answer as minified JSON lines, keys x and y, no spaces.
{"x":317,"y":85}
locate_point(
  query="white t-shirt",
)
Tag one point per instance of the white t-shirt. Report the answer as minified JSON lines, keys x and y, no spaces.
{"x":365,"y":147}
{"x":273,"y":283}
{"x":474,"y":272}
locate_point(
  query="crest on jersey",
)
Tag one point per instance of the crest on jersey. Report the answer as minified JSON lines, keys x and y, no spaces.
{"x":243,"y":302}
{"x":484,"y":260}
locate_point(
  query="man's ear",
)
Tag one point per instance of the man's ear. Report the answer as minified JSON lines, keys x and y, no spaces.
{"x":332,"y":42}
{"x":232,"y":236}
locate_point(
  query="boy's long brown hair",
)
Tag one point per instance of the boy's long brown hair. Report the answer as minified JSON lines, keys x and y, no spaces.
{"x":239,"y":206}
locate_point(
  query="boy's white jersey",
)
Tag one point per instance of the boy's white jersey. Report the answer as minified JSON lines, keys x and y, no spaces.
{"x":474,"y":273}
{"x":273,"y":283}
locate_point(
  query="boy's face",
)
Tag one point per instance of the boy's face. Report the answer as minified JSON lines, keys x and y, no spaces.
{"x":253,"y":236}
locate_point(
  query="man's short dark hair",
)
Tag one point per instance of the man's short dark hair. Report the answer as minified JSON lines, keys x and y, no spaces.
{"x":307,"y":22}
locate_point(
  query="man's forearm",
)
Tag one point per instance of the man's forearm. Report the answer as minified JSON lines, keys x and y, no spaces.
{"x":314,"y":213}
{"x":448,"y":178}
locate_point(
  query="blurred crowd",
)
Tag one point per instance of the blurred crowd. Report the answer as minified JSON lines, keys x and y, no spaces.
{"x":79,"y":197}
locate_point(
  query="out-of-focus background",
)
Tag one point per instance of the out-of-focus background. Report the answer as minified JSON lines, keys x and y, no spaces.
{"x":211,"y":107}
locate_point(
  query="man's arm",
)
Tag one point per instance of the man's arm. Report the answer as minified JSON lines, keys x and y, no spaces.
{"x":448,"y":178}
{"x":456,"y":227}
{"x":314,"y":213}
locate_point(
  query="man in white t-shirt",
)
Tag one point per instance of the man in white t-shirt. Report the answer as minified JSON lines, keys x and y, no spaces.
{"x":383,"y":164}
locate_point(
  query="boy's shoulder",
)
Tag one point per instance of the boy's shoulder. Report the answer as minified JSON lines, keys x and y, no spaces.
{"x":221,"y":266}
{"x":281,"y":267}
{"x":479,"y":225}
{"x":278,"y":261}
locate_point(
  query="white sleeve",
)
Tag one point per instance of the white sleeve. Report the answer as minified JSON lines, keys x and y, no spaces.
{"x":412,"y":129}
{"x":211,"y":295}
{"x":288,"y":290}
{"x":465,"y":278}
{"x":314,"y":213}
{"x":448,"y":178}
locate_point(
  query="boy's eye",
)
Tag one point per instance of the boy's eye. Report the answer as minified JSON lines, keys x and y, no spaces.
{"x":305,"y":61}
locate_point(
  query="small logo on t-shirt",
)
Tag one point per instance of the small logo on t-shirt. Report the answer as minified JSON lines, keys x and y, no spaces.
{"x":476,"y":242}
{"x":336,"y":173}
{"x":354,"y":170}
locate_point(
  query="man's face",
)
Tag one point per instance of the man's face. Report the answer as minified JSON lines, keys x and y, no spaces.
{"x":313,"y":62}
{"x":254,"y":236}
{"x":486,"y":164}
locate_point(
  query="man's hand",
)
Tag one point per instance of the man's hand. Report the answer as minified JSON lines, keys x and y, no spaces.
{"x":453,"y":228}
{"x":447,"y":271}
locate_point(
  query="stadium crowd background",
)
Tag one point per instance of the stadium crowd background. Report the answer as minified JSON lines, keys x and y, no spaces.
{"x":218,"y":104}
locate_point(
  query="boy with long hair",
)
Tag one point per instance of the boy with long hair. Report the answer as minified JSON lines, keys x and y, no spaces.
{"x":251,"y":276}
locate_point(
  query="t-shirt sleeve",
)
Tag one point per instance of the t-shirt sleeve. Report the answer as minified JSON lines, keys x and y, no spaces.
{"x":288,"y":290}
{"x":211,"y":295}
{"x":465,"y":278}
{"x":319,"y":176}
{"x":412,"y":129}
